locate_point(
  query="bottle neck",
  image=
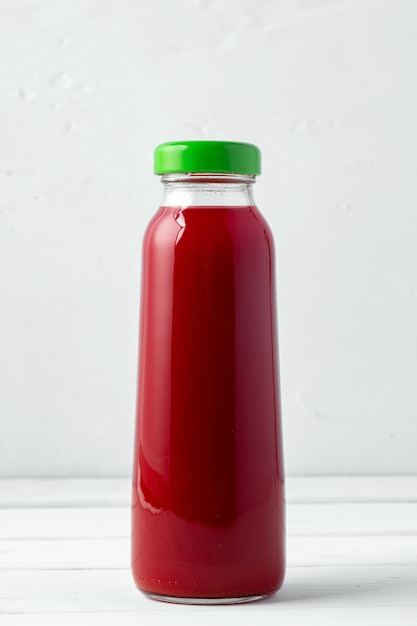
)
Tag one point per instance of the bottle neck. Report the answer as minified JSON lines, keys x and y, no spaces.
{"x":185,"y":190}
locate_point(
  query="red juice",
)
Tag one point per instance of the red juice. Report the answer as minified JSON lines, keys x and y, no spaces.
{"x":208,"y":502}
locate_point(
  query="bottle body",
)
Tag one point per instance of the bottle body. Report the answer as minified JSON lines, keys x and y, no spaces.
{"x":208,"y":502}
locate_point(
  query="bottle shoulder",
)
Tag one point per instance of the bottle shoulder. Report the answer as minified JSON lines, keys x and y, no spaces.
{"x":201,"y":216}
{"x":194,"y":227}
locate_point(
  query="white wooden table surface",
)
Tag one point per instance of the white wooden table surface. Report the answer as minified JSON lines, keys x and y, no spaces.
{"x":351,"y":553}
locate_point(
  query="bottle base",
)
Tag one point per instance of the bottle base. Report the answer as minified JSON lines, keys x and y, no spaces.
{"x":205,"y":601}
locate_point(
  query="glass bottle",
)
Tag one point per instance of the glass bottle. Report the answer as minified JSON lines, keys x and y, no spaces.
{"x":208,"y":478}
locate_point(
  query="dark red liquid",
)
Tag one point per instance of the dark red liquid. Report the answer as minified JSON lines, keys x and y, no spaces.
{"x":208,"y":512}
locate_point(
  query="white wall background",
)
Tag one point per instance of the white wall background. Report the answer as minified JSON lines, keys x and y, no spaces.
{"x":328,"y":90}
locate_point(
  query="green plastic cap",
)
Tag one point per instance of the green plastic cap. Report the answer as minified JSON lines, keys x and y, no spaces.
{"x":218,"y":157}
